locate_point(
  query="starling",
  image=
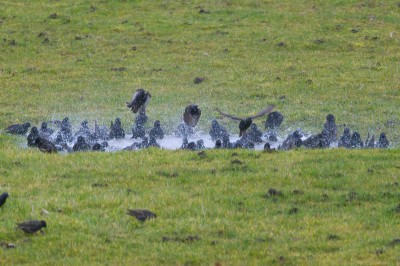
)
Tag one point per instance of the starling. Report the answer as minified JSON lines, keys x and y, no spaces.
{"x":345,"y":139}
{"x":45,"y":145}
{"x":100,"y":132}
{"x":184,"y":130}
{"x":217,"y":131}
{"x":18,"y":129}
{"x":45,"y":130}
{"x":370,"y":142}
{"x":84,"y":130}
{"x":331,"y":128}
{"x":139,"y":102}
{"x":356,"y":141}
{"x":192,"y":115}
{"x":66,"y":129}
{"x":33,"y":135}
{"x":3,"y":198}
{"x":246,"y":122}
{"x":138,"y":132}
{"x":274,"y":120}
{"x":32,"y":226}
{"x":116,"y":130}
{"x":142,"y":215}
{"x":382,"y":142}
{"x":141,"y":119}
{"x":292,"y":141}
{"x":200,"y":144}
{"x":81,"y":145}
{"x":153,"y":143}
{"x":255,"y":134}
{"x":156,"y":132}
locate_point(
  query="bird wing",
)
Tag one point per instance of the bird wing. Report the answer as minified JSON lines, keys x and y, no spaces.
{"x":264,"y":111}
{"x":228,"y":115}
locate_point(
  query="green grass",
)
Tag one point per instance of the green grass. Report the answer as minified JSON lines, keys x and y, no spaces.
{"x":345,"y":211}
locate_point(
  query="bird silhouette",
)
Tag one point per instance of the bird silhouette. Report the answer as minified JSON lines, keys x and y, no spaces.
{"x":139,"y":102}
{"x":246,"y":122}
{"x":192,"y":115}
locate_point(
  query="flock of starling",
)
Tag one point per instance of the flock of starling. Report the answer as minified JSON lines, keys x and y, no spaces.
{"x":85,"y":139}
{"x":33,"y":226}
{"x":48,"y":140}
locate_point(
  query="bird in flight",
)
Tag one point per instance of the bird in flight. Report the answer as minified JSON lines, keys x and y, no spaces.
{"x":246,"y":122}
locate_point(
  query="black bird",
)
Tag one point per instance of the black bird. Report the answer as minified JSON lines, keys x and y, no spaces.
{"x":356,"y":141}
{"x":271,"y":135}
{"x":100,"y":132}
{"x":33,"y":135}
{"x":139,"y":102}
{"x":153,"y":143}
{"x":138,"y":132}
{"x":142,"y":215}
{"x":66,"y":129}
{"x":45,"y":145}
{"x":292,"y":141}
{"x":246,"y":122}
{"x":18,"y":129}
{"x":81,"y":145}
{"x":116,"y":130}
{"x":226,"y":141}
{"x":255,"y":134}
{"x":185,"y":142}
{"x":97,"y":147}
{"x":31,"y":226}
{"x":370,"y":142}
{"x":217,"y":131}
{"x":3,"y":198}
{"x":156,"y":132}
{"x":274,"y":120}
{"x":184,"y":130}
{"x":345,"y":139}
{"x":200,"y":144}
{"x":267,"y":147}
{"x":192,"y":115}
{"x":313,"y":142}
{"x":140,"y":119}
{"x":331,"y":128}
{"x":84,"y":130}
{"x":382,"y":142}
{"x":45,"y":130}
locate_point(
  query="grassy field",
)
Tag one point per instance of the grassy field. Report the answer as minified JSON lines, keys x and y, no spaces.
{"x":309,"y":58}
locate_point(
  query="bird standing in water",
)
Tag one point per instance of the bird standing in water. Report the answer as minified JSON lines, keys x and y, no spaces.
{"x":245,"y":123}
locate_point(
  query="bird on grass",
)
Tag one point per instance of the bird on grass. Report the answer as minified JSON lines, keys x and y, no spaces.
{"x":3,"y":198}
{"x":246,"y":122}
{"x":45,"y":145}
{"x":191,"y":115}
{"x":139,"y":102}
{"x":32,"y":226}
{"x":141,"y":215}
{"x":18,"y":129}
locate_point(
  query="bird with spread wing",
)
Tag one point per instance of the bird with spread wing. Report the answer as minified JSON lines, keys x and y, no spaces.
{"x":246,"y":122}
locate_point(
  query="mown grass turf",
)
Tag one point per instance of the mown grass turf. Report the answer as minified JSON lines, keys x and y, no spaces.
{"x":309,"y":58}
